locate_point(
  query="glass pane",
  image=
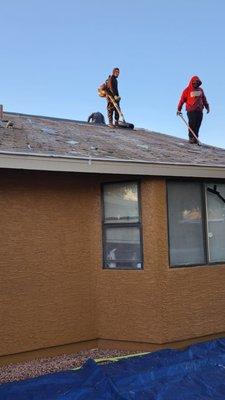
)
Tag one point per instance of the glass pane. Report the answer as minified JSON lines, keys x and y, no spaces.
{"x":185,"y":223}
{"x":122,"y":247}
{"x":121,"y":202}
{"x":216,"y":221}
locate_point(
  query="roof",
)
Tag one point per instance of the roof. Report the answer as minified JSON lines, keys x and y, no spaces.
{"x":38,"y":142}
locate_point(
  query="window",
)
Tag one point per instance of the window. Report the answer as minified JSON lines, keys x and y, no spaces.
{"x":215,"y":206}
{"x":121,"y":226}
{"x":196,"y":216}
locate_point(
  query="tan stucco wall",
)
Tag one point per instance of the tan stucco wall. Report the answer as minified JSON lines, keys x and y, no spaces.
{"x":54,"y":290}
{"x":130,"y":302}
{"x":45,"y":260}
{"x":160,"y":304}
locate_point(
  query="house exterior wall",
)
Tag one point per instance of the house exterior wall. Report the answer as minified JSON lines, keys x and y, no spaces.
{"x":160,"y":304}
{"x":54,"y":290}
{"x":45,"y":260}
{"x":130,"y":303}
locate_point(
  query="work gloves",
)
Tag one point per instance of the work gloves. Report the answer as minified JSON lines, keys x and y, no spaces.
{"x":117,"y":98}
{"x":180,"y":113}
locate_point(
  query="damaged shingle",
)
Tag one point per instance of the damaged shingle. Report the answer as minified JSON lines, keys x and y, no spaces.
{"x":72,"y":142}
{"x":50,"y":131}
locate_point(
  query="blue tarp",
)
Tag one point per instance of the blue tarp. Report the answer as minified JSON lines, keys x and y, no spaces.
{"x":196,"y":373}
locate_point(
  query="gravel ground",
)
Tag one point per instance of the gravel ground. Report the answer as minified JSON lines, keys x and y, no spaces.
{"x":42,"y":366}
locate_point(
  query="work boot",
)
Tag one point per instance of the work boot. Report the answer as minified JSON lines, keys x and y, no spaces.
{"x":110,"y":122}
{"x":116,"y":124}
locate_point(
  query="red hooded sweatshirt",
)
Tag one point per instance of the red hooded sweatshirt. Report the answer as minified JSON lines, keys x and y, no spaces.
{"x":193,"y":97}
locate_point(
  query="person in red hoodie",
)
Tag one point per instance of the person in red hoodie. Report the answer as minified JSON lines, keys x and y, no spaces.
{"x":195,"y":100}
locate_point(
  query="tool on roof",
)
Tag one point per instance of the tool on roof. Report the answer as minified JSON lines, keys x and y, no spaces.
{"x":121,"y":123}
{"x":190,"y":129}
{"x":102,"y":91}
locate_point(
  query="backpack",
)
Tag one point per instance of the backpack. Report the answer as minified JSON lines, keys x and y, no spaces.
{"x":103,"y":88}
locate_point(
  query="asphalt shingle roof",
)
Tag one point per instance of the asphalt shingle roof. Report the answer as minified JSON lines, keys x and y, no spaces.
{"x":53,"y":136}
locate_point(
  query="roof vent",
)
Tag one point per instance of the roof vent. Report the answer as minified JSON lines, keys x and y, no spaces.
{"x":1,"y":111}
{"x":9,"y":124}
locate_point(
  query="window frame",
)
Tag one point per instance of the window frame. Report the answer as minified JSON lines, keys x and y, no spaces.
{"x":203,"y":185}
{"x":127,"y":224}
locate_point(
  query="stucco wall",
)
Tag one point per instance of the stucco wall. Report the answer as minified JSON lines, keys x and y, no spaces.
{"x":54,"y":290}
{"x":160,"y":304}
{"x":130,"y":302}
{"x":45,"y":260}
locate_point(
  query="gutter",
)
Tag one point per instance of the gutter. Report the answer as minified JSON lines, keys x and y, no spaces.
{"x":55,"y":162}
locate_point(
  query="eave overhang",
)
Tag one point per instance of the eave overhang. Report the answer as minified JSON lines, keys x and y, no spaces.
{"x":61,"y":163}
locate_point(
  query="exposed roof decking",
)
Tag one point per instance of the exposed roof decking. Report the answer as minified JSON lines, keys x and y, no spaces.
{"x":52,"y":137}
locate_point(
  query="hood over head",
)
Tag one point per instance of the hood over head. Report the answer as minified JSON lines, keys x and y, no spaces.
{"x":194,"y":79}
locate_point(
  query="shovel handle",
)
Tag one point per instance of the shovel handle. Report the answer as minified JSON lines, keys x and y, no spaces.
{"x":111,"y":99}
{"x":190,"y":129}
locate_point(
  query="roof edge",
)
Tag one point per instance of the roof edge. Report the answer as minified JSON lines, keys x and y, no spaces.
{"x":43,"y":162}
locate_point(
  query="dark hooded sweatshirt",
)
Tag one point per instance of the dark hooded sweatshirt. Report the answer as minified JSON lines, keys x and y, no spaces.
{"x":193,"y":97}
{"x":112,"y":85}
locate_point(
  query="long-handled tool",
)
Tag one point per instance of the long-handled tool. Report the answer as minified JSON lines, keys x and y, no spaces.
{"x":190,"y":129}
{"x":122,"y":123}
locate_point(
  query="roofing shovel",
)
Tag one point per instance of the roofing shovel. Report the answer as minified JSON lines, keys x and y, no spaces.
{"x":121,"y":123}
{"x":191,"y":130}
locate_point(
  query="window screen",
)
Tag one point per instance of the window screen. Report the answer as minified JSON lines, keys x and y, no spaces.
{"x":121,"y":226}
{"x":215,"y":206}
{"x":186,"y":238}
{"x":121,"y":202}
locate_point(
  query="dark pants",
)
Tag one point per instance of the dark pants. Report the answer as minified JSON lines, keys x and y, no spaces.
{"x":194,"y":121}
{"x":111,"y":109}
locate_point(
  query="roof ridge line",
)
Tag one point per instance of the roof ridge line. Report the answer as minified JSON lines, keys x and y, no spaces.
{"x":44,"y":117}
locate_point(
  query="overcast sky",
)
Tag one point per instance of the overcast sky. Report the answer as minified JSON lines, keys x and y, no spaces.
{"x":55,"y":54}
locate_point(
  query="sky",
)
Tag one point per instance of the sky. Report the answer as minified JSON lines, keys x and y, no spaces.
{"x":55,"y":54}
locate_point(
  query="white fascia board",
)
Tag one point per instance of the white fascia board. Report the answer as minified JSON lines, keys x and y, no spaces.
{"x":106,"y":166}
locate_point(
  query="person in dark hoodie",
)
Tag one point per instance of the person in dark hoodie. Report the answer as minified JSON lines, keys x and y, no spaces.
{"x":112,"y":89}
{"x":195,"y":100}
